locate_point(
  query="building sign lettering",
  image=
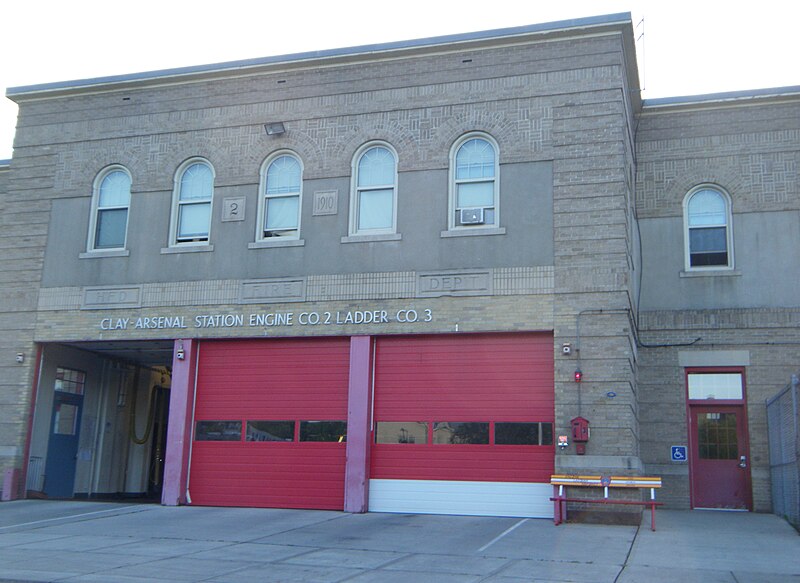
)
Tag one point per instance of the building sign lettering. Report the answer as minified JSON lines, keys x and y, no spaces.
{"x":275,"y":290}
{"x":461,"y":283}
{"x":271,"y":319}
{"x":112,"y":297}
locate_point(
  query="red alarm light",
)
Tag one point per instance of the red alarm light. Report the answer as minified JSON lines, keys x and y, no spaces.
{"x":578,"y":376}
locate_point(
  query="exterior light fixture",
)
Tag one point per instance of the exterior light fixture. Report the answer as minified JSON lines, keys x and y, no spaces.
{"x":20,"y":357}
{"x":275,"y":129}
{"x":578,"y":376}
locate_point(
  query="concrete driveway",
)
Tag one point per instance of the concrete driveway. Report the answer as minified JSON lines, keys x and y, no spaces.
{"x":130,"y":543}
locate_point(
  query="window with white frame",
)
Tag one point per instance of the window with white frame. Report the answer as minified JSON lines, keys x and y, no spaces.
{"x":280,"y":202}
{"x":707,"y":228}
{"x":110,"y":203}
{"x":474,"y":182}
{"x":192,"y":200}
{"x":373,"y":203}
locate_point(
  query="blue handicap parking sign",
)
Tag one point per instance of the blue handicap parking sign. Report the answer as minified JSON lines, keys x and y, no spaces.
{"x":678,"y":453}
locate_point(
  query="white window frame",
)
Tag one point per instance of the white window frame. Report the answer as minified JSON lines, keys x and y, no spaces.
{"x":176,"y":203}
{"x":355,"y":191}
{"x":452,"y":208}
{"x":91,"y":241}
{"x":263,"y":196}
{"x":726,"y":198}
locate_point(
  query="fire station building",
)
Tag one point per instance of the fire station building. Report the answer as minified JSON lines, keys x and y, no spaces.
{"x":388,"y":278}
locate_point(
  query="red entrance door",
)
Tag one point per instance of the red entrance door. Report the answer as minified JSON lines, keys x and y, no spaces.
{"x":720,"y":460}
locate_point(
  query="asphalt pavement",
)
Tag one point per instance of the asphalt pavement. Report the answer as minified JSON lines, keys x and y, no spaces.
{"x":80,"y":541}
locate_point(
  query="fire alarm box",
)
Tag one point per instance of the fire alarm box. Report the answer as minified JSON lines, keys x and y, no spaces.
{"x":580,"y":434}
{"x":580,"y":429}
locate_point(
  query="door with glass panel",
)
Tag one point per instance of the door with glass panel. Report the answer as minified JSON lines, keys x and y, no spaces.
{"x":65,"y":423}
{"x":720,"y":456}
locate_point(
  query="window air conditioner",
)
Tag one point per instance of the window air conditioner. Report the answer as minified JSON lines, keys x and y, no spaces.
{"x":472,"y":216}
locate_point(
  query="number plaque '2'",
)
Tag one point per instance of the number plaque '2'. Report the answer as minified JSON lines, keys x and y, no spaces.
{"x":233,"y":209}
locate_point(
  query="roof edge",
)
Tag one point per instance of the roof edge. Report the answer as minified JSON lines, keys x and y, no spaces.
{"x":586,"y":22}
{"x":727,"y":96}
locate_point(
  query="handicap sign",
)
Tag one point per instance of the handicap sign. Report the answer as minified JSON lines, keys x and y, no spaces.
{"x":678,"y":453}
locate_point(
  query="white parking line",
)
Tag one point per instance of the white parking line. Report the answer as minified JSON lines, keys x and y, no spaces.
{"x":67,"y":517}
{"x":501,"y":535}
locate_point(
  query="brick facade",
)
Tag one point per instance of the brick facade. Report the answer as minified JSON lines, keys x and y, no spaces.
{"x":582,"y":255}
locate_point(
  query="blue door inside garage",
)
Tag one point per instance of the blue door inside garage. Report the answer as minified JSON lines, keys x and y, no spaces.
{"x":65,"y":423}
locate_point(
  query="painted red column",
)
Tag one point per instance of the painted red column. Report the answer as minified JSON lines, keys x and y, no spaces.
{"x":356,"y":481}
{"x":179,"y":428}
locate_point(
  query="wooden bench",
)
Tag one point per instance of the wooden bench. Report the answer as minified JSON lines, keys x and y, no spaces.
{"x":559,"y":482}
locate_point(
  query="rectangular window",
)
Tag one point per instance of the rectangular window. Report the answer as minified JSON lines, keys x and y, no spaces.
{"x":460,"y":433}
{"x":218,"y":431}
{"x":523,"y":433}
{"x":375,"y":209}
{"x":716,"y":436}
{"x":111,"y":226}
{"x":709,"y":246}
{"x":70,"y":381}
{"x":193,"y":219}
{"x":401,"y":432}
{"x":715,"y":386}
{"x":281,"y":216}
{"x":65,"y":421}
{"x":323,"y":431}
{"x":270,"y":431}
{"x":547,"y":434}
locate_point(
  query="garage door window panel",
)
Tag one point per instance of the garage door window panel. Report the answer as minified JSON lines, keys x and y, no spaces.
{"x":335,"y":431}
{"x":218,"y":431}
{"x":270,"y":431}
{"x":523,"y":433}
{"x":415,"y":433}
{"x":460,"y":433}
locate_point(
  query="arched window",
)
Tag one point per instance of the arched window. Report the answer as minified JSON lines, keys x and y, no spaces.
{"x":281,"y":189}
{"x":373,"y":202}
{"x":194,"y":192}
{"x":474,"y":182}
{"x":110,"y":202}
{"x":707,"y":228}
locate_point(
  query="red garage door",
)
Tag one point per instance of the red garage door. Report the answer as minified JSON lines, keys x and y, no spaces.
{"x":270,"y":423}
{"x":463,"y":424}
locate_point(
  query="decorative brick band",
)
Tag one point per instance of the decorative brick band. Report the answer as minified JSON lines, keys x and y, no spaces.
{"x":350,"y":287}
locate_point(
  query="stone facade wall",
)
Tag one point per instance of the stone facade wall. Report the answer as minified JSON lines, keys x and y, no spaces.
{"x":750,"y":148}
{"x":608,"y":258}
{"x":565,"y":101}
{"x":23,"y":232}
{"x":770,"y":340}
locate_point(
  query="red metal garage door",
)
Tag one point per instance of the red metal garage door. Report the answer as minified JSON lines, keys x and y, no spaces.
{"x":462,"y":423}
{"x":270,"y":421}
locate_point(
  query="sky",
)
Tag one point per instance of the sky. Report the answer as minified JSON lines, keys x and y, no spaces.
{"x":684,"y":48}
